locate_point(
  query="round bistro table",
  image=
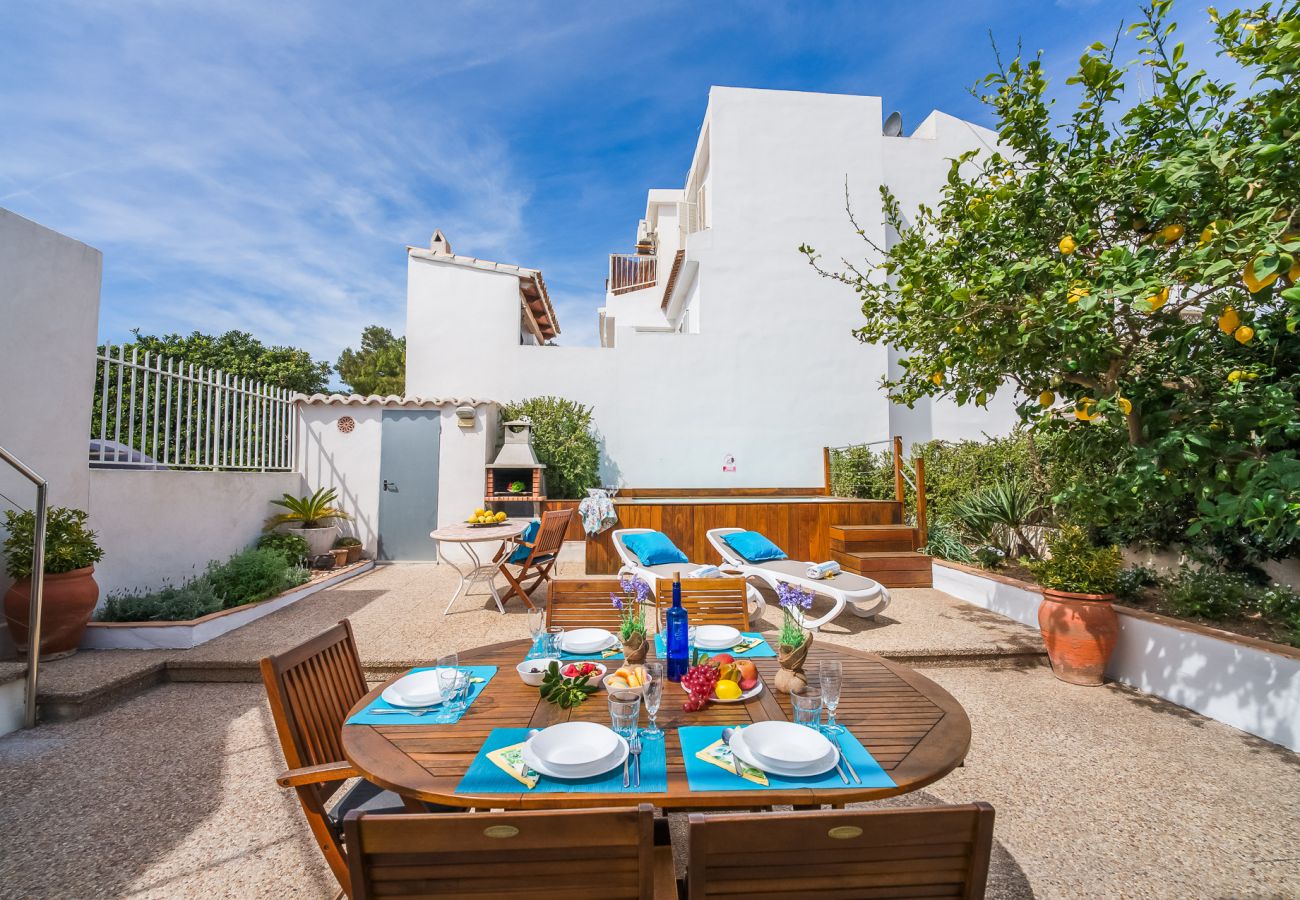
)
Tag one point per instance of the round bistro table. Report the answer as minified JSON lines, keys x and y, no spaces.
{"x":479,"y":572}
{"x":914,"y":728}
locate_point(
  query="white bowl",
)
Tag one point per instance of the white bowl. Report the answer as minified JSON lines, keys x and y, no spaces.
{"x":528,"y":677}
{"x":574,"y":745}
{"x":595,"y":677}
{"x":587,"y":640}
{"x":415,"y":689}
{"x":786,"y":743}
{"x":716,"y":637}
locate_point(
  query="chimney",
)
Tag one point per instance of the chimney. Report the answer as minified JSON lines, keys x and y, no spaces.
{"x":439,"y":244}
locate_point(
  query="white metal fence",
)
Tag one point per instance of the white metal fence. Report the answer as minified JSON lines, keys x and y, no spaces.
{"x":155,"y":412}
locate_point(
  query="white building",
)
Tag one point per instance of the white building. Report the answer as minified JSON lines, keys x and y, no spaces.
{"x":718,"y":342}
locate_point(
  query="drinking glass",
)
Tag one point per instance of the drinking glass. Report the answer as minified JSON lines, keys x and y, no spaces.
{"x":690,"y":642}
{"x":831,"y":675}
{"x":536,"y":626}
{"x":652,"y":695}
{"x":554,"y":641}
{"x":624,"y":711}
{"x":807,"y":705}
{"x":449,"y":682}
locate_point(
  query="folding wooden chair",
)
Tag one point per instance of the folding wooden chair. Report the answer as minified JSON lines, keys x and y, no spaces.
{"x":545,"y":855}
{"x":934,"y":852}
{"x":583,"y":603}
{"x":707,"y":601}
{"x":544,"y":552}
{"x":310,"y":689}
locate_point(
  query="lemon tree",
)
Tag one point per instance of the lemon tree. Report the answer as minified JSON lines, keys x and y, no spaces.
{"x":1130,"y":266}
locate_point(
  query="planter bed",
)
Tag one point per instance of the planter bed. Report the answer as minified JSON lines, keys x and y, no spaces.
{"x":1244,"y":682}
{"x":192,"y":633}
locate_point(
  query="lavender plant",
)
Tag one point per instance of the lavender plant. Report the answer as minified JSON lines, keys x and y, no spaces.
{"x":793,"y":600}
{"x":631,"y":606}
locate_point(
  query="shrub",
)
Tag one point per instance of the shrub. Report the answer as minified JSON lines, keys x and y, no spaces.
{"x":1283,"y":604}
{"x":310,"y":511}
{"x":252,"y":576}
{"x":990,"y":557}
{"x":564,"y":442}
{"x":1076,"y":566}
{"x":944,"y":542}
{"x":193,"y":599}
{"x":859,"y":471}
{"x":69,"y":544}
{"x":1208,"y":594}
{"x":293,"y":547}
{"x":1133,"y":579}
{"x":999,"y":513}
{"x":346,"y":541}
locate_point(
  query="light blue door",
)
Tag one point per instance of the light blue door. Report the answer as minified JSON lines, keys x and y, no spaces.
{"x":408,"y":472}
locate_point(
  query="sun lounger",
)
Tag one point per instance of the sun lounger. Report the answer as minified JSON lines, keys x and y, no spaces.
{"x":632,"y":565}
{"x":862,"y":595}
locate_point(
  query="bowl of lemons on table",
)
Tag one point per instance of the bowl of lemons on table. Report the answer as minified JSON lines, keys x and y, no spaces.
{"x":484,"y":517}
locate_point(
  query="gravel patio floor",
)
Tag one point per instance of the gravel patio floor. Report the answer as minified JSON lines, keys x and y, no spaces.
{"x":1099,"y":792}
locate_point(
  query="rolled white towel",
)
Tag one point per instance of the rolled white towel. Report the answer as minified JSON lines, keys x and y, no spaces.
{"x":818,"y":571}
{"x":705,"y":572}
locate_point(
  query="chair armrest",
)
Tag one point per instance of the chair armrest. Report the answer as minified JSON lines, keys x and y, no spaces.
{"x":665,"y":874}
{"x":337,"y":771}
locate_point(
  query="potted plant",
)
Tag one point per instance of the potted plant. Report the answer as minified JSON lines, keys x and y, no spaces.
{"x":795,"y":640}
{"x":70,"y":592}
{"x":350,"y":544}
{"x":631,"y":609}
{"x":1077,"y":616}
{"x":312,"y":515}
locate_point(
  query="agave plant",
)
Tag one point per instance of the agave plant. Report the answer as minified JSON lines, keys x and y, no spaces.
{"x":307,"y":512}
{"x":999,"y":513}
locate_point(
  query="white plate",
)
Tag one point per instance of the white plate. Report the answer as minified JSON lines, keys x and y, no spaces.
{"x":571,"y":745}
{"x":598,"y":767}
{"x":787,"y":744}
{"x":744,"y":695}
{"x":746,"y":754}
{"x":416,"y":689}
{"x":587,"y":640}
{"x":716,"y":637}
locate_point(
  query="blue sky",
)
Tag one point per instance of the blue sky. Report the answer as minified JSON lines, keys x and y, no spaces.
{"x":262,"y":166}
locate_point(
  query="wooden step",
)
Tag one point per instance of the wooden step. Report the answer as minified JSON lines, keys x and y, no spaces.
{"x":892,"y":568}
{"x":868,"y":538}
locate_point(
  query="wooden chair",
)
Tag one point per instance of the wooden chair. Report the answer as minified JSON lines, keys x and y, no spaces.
{"x":561,"y":854}
{"x":544,"y":552}
{"x":936,"y":852}
{"x":707,"y":601}
{"x":311,"y":688}
{"x":583,"y":603}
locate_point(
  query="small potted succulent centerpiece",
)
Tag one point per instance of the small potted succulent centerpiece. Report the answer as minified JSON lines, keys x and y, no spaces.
{"x":70,"y":592}
{"x":795,"y":640}
{"x":312,"y":515}
{"x":1077,"y":616}
{"x":351,"y":545}
{"x":631,"y":607}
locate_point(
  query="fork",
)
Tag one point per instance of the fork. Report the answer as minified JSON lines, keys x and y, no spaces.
{"x":636,"y":754}
{"x":411,"y":711}
{"x":845,"y":758}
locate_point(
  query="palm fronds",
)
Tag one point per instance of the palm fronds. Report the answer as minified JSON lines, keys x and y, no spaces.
{"x":307,"y":512}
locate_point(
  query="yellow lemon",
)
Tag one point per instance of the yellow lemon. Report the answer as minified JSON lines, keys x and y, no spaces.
{"x":1207,"y":235}
{"x":1229,"y":321}
{"x":960,"y":329}
{"x":1067,"y":245}
{"x":472,"y":519}
{"x":1046,"y":399}
{"x":1125,"y":405}
{"x":1235,"y":375}
{"x":1077,"y":293}
{"x":500,"y":517}
{"x":937,"y":378}
{"x":1157,"y":300}
{"x":1083,"y":410}
{"x":1294,"y":273}
{"x":1244,"y":334}
{"x":1171,"y":233}
{"x":726,"y":690}
{"x":479,"y":511}
{"x":1253,"y":284}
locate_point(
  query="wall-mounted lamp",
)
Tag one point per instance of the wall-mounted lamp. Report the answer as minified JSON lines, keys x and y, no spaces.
{"x":465,"y":416}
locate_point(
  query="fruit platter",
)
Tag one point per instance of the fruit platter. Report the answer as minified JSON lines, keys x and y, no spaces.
{"x":630,"y":678}
{"x":720,"y":678}
{"x":483,"y":518}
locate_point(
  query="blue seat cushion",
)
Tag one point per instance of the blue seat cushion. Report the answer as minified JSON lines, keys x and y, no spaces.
{"x":753,"y":546}
{"x":520,"y":556}
{"x":653,"y":548}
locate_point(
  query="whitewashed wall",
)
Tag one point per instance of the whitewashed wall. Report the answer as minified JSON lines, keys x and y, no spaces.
{"x":163,"y":527}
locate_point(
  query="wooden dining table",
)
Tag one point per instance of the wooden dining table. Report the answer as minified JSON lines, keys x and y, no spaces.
{"x":914,"y":728}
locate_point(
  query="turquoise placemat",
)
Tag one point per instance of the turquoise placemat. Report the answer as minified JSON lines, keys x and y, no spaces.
{"x":702,"y":776}
{"x":485,"y":777}
{"x":614,"y":653}
{"x":479,"y":678}
{"x":763,"y":649}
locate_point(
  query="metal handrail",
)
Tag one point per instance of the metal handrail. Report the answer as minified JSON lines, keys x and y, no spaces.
{"x":36,"y":595}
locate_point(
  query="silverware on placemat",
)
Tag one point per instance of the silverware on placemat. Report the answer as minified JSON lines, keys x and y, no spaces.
{"x":627,"y":777}
{"x":726,"y":739}
{"x":844,"y":756}
{"x":528,"y":770}
{"x":409,"y":711}
{"x":636,"y":754}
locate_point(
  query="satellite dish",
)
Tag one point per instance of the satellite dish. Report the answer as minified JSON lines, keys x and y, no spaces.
{"x":894,"y":125}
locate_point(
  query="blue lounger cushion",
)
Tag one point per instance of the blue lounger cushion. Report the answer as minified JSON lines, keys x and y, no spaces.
{"x":653,"y":548}
{"x":753,"y":546}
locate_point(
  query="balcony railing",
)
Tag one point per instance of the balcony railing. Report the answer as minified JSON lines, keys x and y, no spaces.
{"x":631,"y":272}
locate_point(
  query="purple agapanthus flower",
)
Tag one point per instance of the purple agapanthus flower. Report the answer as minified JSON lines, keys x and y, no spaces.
{"x":791,"y":596}
{"x":618,"y":604}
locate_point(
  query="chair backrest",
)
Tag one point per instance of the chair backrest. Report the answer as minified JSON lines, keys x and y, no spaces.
{"x":934,"y":852}
{"x":550,"y":536}
{"x":707,"y":601}
{"x":607,"y":853}
{"x":583,"y":603}
{"x":311,"y":688}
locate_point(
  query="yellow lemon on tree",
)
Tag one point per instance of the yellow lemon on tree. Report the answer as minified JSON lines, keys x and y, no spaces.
{"x":1083,"y":410}
{"x":1229,"y":321}
{"x":1158,"y":299}
{"x":1244,"y":334}
{"x":1046,"y":399}
{"x":1294,"y":273}
{"x":1235,"y":375}
{"x":1067,"y":245}
{"x":1077,"y":293}
{"x":1125,"y":405}
{"x":1207,"y":235}
{"x":937,"y":378}
{"x":726,"y":689}
{"x":1253,"y":284}
{"x":1171,"y":233}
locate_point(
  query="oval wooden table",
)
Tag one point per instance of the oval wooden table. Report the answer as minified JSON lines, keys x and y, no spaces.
{"x":914,"y":728}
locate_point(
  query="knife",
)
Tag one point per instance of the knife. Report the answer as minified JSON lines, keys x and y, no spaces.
{"x":726,"y":739}
{"x":845,"y":757}
{"x":627,"y":778}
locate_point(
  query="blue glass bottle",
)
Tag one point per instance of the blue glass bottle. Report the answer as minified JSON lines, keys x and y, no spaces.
{"x":677,"y":640}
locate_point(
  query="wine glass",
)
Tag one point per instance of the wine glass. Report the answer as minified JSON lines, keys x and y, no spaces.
{"x":652,"y":694}
{"x":831,"y":674}
{"x":536,"y":625}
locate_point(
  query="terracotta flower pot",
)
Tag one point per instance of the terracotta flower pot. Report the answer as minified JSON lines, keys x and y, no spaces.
{"x":1080,"y":631}
{"x":354,"y":553}
{"x":68,"y":600}
{"x":790,"y":677}
{"x":340,"y":556}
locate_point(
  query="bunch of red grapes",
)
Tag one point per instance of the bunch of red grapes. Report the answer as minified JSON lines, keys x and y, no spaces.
{"x":699,"y":681}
